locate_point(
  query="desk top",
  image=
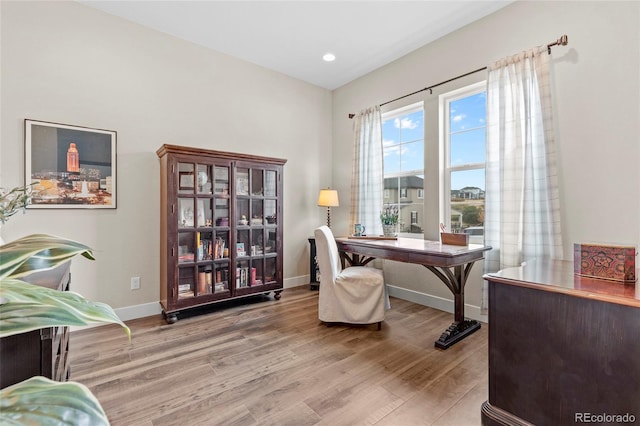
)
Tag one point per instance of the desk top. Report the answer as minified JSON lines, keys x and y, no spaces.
{"x":414,"y":250}
{"x":558,"y":276}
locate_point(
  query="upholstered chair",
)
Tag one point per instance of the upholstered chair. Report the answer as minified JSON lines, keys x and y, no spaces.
{"x":354,"y":295}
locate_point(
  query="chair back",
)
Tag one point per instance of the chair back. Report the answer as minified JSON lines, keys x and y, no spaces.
{"x":327,"y":253}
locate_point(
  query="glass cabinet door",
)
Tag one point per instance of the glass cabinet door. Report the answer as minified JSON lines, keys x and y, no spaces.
{"x":257,"y":228}
{"x":203,"y":211}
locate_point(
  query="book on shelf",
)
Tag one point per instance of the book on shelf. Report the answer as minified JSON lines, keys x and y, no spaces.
{"x":243,"y":277}
{"x":219,"y":248}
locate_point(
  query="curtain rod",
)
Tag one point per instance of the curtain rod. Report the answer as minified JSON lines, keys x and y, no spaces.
{"x":562,"y":41}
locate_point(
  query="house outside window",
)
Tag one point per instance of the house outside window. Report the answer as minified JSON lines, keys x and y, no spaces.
{"x":463,"y":145}
{"x":403,"y":147}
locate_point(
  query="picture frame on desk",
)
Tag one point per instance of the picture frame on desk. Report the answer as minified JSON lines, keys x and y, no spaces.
{"x":70,"y":167}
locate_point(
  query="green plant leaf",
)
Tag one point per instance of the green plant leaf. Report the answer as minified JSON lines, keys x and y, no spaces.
{"x":38,"y":252}
{"x":27,"y":307}
{"x":40,"y":401}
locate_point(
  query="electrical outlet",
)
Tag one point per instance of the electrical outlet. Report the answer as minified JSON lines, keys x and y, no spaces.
{"x":135,"y":283}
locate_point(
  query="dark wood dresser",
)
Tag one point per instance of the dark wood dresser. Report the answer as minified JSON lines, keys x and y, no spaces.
{"x":40,"y":352}
{"x":563,"y":349}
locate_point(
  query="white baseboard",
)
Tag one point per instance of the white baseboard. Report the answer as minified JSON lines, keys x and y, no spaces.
{"x":296,"y":281}
{"x":154,"y":308}
{"x":138,"y":311}
{"x":435,"y":302}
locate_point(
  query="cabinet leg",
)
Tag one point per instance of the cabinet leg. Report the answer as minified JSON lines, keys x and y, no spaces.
{"x":276,"y":294}
{"x":170,"y":318}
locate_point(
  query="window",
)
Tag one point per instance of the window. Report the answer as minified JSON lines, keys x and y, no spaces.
{"x":463,"y":145}
{"x":403,"y":146}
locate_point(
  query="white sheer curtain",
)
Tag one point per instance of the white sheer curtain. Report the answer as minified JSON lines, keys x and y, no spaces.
{"x":522,"y":216}
{"x":368,"y":174}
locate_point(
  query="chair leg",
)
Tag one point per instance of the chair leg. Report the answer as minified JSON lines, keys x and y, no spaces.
{"x":379,"y":325}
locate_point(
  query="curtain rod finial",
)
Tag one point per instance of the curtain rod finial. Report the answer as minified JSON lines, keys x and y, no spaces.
{"x":352,"y":115}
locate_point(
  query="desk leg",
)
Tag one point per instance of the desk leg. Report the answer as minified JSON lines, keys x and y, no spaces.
{"x":313,"y":265}
{"x":455,"y":281}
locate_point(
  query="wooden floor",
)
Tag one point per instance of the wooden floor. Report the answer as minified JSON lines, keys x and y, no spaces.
{"x":273,"y":363}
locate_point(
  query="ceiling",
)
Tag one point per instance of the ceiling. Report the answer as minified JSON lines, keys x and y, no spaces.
{"x":291,"y":36}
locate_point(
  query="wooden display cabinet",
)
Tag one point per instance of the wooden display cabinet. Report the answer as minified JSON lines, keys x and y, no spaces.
{"x":220,"y":227}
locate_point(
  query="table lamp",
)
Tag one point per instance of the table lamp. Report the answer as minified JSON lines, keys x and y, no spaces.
{"x":328,"y":198}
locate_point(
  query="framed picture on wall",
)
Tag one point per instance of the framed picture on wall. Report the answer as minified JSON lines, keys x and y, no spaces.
{"x":70,"y":166}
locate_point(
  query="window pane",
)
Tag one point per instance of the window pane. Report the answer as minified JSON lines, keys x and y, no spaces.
{"x":411,"y":126}
{"x":391,"y":160}
{"x":468,"y":113}
{"x":390,"y":133}
{"x":411,"y":204}
{"x":390,"y":195}
{"x":468,"y":147}
{"x":411,"y":218}
{"x":412,"y":156}
{"x":467,"y":200}
{"x":403,"y":144}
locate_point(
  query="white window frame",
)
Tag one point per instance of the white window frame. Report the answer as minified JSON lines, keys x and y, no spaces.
{"x":445,"y":148}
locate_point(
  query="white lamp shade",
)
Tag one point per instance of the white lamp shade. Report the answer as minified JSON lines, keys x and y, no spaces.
{"x":328,"y":198}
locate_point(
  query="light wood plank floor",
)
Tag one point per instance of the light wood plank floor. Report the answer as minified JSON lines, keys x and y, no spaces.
{"x":273,"y":363}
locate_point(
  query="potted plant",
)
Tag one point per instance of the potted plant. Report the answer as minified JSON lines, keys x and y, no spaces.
{"x":389,"y":218}
{"x":25,"y":307}
{"x":11,"y":202}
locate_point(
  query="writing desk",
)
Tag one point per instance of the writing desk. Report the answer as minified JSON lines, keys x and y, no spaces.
{"x":451,"y":264}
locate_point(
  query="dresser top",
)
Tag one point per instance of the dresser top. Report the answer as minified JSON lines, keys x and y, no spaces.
{"x":558,"y":276}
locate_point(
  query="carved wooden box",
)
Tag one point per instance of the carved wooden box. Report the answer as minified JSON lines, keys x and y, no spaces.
{"x":616,"y":263}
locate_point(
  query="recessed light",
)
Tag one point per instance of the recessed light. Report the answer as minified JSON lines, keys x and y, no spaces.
{"x":329,"y":57}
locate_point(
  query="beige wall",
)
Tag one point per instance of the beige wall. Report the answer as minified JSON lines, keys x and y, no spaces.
{"x":65,"y":62}
{"x":596,"y":82}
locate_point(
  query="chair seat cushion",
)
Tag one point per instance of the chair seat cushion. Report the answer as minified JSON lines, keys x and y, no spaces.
{"x":361,"y":275}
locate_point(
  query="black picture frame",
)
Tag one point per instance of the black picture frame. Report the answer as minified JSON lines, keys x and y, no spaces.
{"x":70,"y":167}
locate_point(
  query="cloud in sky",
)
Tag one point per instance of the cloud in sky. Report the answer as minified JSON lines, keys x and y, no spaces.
{"x":459,"y":117}
{"x":405,"y":123}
